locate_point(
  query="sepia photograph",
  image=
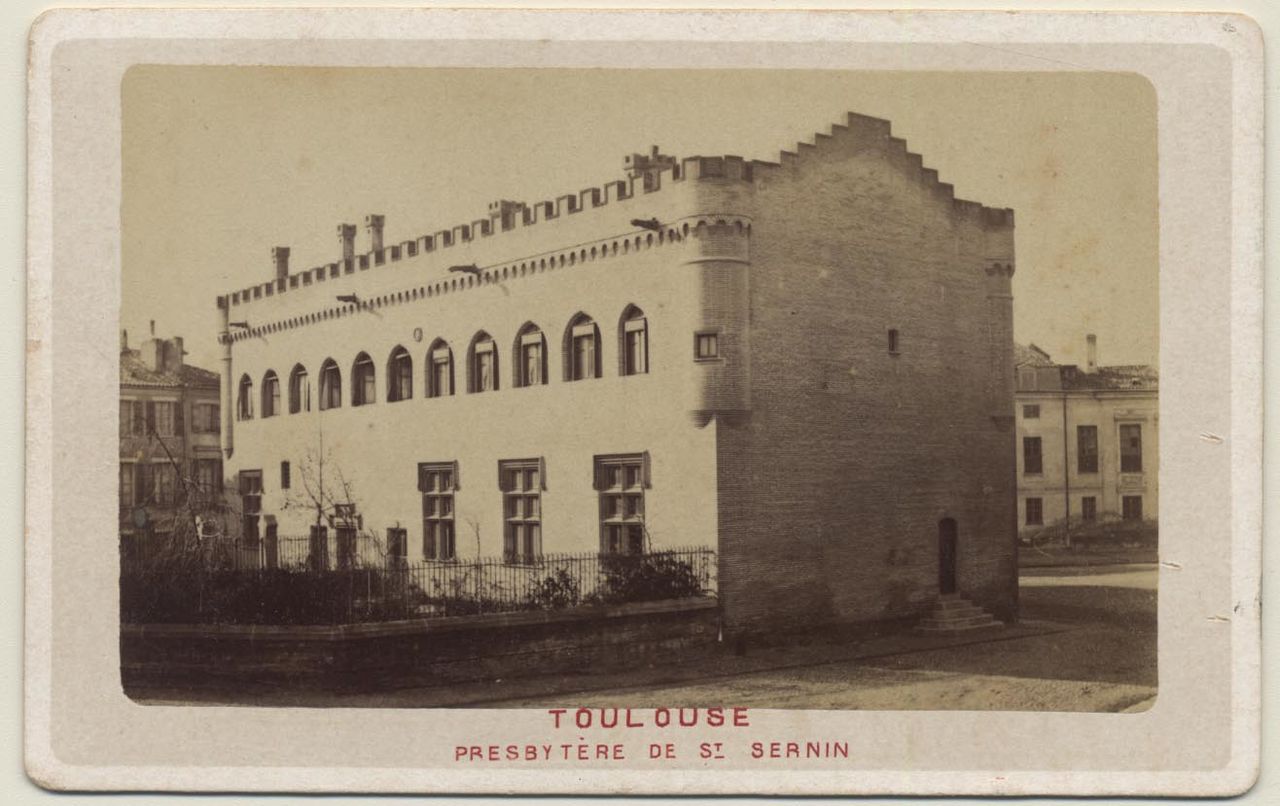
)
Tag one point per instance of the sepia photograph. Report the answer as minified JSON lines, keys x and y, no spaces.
{"x":643,"y":402}
{"x":803,"y":389}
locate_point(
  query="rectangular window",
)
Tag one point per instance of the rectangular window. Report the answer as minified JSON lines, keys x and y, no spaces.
{"x":437,"y":482}
{"x":126,"y":418}
{"x":1131,"y":507}
{"x":1027,"y":379}
{"x":208,"y":477}
{"x":1032,"y":461}
{"x":1089,"y":508}
{"x":1131,"y":449}
{"x":1035,"y":512}
{"x":143,"y":484}
{"x":166,"y":481}
{"x":299,"y":391}
{"x":250,"y":503}
{"x":1031,"y":412}
{"x":205,"y":418}
{"x":531,"y":359}
{"x":635,"y":347}
{"x":441,"y":372}
{"x":893,"y":341}
{"x":285,"y":475}
{"x":1086,"y":449}
{"x":164,"y":418}
{"x":621,"y":481}
{"x":584,"y":352}
{"x":139,"y":418}
{"x":485,"y":377}
{"x":521,"y":484}
{"x":706,"y":346}
{"x":126,"y":486}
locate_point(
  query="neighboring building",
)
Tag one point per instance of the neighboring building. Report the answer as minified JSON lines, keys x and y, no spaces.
{"x":169,"y":434}
{"x":807,"y":364}
{"x":1088,"y":440}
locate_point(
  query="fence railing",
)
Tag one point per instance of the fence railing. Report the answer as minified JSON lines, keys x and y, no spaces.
{"x":352,"y":579}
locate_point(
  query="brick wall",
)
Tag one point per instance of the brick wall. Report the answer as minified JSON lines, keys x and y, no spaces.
{"x":831,"y":492}
{"x":373,"y":657}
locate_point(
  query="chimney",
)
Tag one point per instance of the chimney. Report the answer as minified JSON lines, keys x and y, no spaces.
{"x":347,"y":237}
{"x":153,"y":328}
{"x":173,"y":354}
{"x":152,"y":354}
{"x":1091,"y":359}
{"x":280,"y":256}
{"x":124,"y":340}
{"x":374,"y":224}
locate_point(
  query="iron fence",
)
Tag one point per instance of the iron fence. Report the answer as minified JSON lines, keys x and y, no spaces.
{"x":353,"y":578}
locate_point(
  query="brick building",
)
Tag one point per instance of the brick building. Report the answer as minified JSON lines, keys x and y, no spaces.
{"x":169,"y":434}
{"x":807,"y":364}
{"x":1088,"y":440}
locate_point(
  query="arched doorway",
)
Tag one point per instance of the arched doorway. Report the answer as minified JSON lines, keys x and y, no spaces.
{"x":947,"y":539}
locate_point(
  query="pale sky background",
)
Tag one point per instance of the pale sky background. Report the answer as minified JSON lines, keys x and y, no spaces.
{"x":223,"y":163}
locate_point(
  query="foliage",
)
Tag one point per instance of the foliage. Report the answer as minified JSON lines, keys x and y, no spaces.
{"x":647,"y":578}
{"x":264,"y":597}
{"x":179,"y":590}
{"x":556,"y":591}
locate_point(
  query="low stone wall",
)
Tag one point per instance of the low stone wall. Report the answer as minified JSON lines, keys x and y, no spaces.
{"x":369,"y":657}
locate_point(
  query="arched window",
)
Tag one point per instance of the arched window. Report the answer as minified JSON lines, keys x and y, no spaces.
{"x":330,"y":385}
{"x":244,"y":400}
{"x":529,"y":357}
{"x":633,"y":342}
{"x":581,"y":349}
{"x":270,"y":394}
{"x":299,"y":390}
{"x":482,"y":364}
{"x":399,"y":375}
{"x":363,"y":382}
{"x":439,"y":369}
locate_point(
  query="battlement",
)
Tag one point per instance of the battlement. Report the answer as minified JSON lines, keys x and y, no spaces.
{"x":645,"y":174}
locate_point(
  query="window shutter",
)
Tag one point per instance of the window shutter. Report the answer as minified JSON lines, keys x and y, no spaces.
{"x":422,"y":477}
{"x":644,"y":470}
{"x":457,"y":476}
{"x":598,"y":477}
{"x":542,"y":472}
{"x":502,"y":482}
{"x":151,"y":417}
{"x":178,"y":430}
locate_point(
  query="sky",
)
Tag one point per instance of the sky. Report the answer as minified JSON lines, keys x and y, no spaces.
{"x":223,"y":163}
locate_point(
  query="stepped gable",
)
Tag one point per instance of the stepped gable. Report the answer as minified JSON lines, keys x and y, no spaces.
{"x":646,"y":174}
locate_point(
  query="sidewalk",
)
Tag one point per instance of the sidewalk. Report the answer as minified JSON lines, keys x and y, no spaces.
{"x":721,"y":663}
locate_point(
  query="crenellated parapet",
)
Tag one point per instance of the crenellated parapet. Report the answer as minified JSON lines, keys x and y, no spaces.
{"x":701,"y":235}
{"x":645,"y":174}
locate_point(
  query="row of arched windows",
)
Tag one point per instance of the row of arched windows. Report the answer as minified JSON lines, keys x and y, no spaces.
{"x":581,"y":360}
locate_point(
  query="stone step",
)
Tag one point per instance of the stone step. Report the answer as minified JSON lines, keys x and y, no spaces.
{"x":953,"y":604}
{"x":983,"y":620}
{"x":965,"y":610}
{"x":991,"y":624}
{"x":955,"y":617}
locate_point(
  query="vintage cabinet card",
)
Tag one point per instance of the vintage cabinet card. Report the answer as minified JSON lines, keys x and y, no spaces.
{"x":644,"y":402}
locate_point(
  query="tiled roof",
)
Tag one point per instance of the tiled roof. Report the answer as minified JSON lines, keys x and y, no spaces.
{"x":1123,"y":376}
{"x":1030,"y":355}
{"x":135,"y":372}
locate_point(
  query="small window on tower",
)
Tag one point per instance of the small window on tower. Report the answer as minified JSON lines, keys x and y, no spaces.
{"x":893,"y":341}
{"x":706,"y":346}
